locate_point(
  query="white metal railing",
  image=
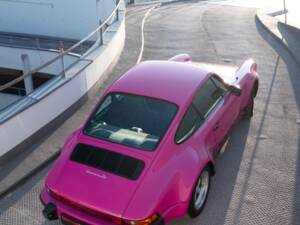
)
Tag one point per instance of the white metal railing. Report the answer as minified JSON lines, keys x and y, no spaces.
{"x":60,"y":57}
{"x":43,"y":43}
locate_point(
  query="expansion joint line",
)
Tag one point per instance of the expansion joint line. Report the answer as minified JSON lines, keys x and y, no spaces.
{"x":142,"y":31}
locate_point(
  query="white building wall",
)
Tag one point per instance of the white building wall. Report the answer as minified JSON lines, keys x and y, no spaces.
{"x":104,"y":8}
{"x":57,"y":18}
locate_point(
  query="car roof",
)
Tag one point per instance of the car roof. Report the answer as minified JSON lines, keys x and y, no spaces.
{"x":171,"y":81}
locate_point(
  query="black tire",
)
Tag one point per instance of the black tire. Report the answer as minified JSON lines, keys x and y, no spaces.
{"x":248,"y":111}
{"x":194,"y":211}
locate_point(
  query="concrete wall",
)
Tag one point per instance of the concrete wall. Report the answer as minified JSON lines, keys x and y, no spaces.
{"x":57,"y":18}
{"x":20,"y":127}
{"x":104,"y":9}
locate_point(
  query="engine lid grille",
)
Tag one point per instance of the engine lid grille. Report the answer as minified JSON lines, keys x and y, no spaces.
{"x":112,"y":162}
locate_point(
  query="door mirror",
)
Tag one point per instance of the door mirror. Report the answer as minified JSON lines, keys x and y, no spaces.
{"x":235,"y":89}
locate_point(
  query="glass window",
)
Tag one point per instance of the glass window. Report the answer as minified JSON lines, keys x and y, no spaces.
{"x":207,"y":97}
{"x":108,"y":161}
{"x":190,"y":122}
{"x":131,"y":120}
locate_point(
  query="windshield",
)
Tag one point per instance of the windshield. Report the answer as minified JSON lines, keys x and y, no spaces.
{"x":131,"y":120}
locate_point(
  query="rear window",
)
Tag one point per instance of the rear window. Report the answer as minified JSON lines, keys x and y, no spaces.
{"x":112,"y":162}
{"x":131,"y":120}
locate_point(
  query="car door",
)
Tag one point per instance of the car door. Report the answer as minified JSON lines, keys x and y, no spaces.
{"x":200,"y":121}
{"x":208,"y":118}
{"x":228,"y":111}
{"x":208,"y":101}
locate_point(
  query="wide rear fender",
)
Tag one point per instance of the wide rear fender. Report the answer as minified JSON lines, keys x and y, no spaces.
{"x":246,"y":77}
{"x":167,"y":187}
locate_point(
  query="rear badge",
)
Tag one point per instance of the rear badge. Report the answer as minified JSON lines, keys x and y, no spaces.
{"x":102,"y":176}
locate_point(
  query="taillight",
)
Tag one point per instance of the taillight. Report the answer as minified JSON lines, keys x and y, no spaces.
{"x":116,"y":220}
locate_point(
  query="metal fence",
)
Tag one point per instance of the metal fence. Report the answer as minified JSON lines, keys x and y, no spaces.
{"x":81,"y":45}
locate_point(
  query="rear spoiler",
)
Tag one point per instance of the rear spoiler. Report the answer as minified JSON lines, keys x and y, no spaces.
{"x":249,"y":66}
{"x":181,"y":58}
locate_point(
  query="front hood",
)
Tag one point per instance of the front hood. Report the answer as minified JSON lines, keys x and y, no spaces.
{"x":102,"y":190}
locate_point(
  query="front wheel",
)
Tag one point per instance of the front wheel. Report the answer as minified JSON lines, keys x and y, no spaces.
{"x":200,"y":194}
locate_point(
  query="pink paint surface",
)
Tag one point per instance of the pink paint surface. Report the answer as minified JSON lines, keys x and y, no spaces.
{"x":167,"y":181}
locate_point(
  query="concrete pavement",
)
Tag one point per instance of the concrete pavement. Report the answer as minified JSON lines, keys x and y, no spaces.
{"x":258,"y":172}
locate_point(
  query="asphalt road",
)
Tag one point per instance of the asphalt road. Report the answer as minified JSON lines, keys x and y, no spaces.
{"x":258,"y":171}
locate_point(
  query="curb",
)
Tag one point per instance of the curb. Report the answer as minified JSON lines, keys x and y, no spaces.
{"x":157,"y":2}
{"x":34,"y":171}
{"x":271,"y":25}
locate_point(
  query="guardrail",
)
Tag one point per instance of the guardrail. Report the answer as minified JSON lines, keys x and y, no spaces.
{"x":100,"y":30}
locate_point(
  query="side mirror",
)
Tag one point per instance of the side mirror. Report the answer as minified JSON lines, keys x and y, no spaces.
{"x":235,"y":89}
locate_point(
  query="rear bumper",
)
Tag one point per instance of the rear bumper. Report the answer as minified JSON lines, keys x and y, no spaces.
{"x":69,"y":212}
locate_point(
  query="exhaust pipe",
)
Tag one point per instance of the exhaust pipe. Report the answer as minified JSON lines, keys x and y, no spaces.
{"x":50,"y":211}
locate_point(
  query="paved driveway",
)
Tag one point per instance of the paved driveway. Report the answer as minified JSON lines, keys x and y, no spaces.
{"x":258,"y":171}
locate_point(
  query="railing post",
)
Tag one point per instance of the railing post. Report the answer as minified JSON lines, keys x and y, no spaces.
{"x":117,"y":11}
{"x":62,"y":58}
{"x":26,"y":70}
{"x":285,"y":11}
{"x":81,"y":49}
{"x":101,"y":33}
{"x":38,"y":43}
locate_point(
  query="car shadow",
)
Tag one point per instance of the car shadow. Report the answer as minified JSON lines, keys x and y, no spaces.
{"x":294,"y":77}
{"x":223,"y":183}
{"x":25,"y":198}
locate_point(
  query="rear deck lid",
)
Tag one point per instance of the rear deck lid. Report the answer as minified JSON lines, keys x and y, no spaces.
{"x":99,"y":179}
{"x":108,"y":161}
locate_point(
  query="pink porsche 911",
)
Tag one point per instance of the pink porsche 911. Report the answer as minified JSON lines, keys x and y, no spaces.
{"x":146,"y":153}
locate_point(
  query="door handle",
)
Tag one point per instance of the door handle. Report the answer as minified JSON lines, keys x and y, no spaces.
{"x":217,"y":126}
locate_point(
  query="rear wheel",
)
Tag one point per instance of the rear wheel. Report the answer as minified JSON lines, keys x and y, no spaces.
{"x":200,"y":193}
{"x":248,"y":112}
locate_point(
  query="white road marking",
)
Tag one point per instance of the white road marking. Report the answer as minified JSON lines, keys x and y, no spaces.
{"x":142,"y":30}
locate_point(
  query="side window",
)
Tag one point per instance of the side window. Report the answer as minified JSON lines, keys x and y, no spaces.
{"x":190,"y":122}
{"x":207,"y":97}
